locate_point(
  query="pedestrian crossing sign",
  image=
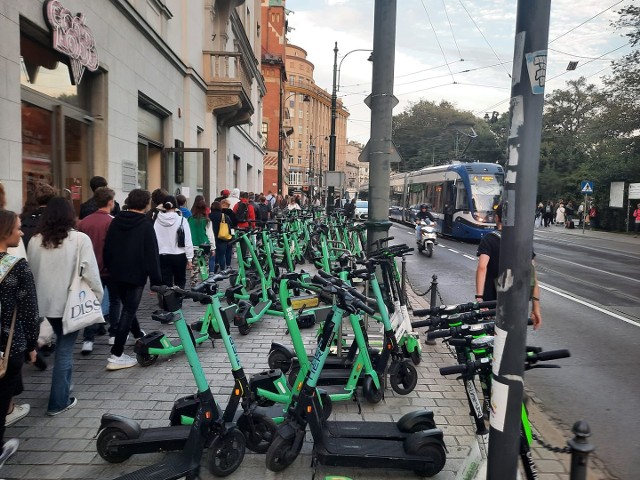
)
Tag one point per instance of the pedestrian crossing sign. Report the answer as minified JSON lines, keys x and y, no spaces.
{"x":586,"y":187}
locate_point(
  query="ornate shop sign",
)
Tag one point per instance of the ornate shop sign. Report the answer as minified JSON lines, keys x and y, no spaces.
{"x":72,"y":37}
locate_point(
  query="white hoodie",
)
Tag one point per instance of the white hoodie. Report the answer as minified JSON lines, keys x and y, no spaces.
{"x":166,"y":227}
{"x":234,"y":197}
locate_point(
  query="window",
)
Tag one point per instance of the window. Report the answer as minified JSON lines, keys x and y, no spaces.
{"x":299,"y":143}
{"x":292,"y":103}
{"x":290,"y":159}
{"x":301,"y":97}
{"x":299,"y":159}
{"x":292,"y":80}
{"x":300,"y":113}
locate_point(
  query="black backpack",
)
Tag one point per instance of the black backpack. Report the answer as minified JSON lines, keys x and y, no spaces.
{"x":242,"y":212}
{"x":263,"y":208}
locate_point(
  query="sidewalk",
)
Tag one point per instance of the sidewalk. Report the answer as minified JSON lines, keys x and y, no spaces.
{"x":63,"y":447}
{"x":628,"y":238}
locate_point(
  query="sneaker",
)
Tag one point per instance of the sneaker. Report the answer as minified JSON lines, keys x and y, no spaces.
{"x":87,"y":347}
{"x":19,"y":412}
{"x":142,"y":334}
{"x":73,"y":402}
{"x":10,"y":447}
{"x":123,"y":361}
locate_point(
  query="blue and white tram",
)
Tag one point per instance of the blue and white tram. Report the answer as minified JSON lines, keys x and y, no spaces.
{"x":461,"y":197}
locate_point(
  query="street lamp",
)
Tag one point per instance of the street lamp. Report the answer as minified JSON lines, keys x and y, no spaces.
{"x":334,"y":105}
{"x":306,"y":98}
{"x":312,"y":176}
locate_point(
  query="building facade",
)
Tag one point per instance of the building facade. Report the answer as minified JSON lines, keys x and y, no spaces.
{"x":308,"y":109}
{"x":147,"y":93}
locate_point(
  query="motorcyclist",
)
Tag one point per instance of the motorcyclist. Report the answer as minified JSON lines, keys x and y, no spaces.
{"x":423,"y":214}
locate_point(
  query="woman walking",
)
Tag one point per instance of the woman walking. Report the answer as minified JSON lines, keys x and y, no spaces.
{"x":17,"y":294}
{"x":217,"y":217}
{"x":201,"y":232}
{"x":53,"y":255}
{"x":176,"y":249}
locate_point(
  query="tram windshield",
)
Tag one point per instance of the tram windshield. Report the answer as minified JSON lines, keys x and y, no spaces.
{"x":486,"y":191}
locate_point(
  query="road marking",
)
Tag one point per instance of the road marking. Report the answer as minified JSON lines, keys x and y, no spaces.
{"x":590,"y":268}
{"x":470,"y":257}
{"x":454,"y":251}
{"x":590,"y":305}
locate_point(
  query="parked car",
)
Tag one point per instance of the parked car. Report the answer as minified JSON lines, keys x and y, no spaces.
{"x":362,"y":210}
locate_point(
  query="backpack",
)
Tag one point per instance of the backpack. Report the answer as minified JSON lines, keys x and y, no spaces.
{"x":263,"y":209}
{"x":242,"y":212}
{"x":548,"y":209}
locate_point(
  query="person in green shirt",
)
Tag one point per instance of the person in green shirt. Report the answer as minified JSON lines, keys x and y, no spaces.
{"x":201,"y":231}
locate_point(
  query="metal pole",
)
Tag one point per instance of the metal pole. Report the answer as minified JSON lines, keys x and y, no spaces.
{"x":280,"y":166}
{"x":332,"y":135}
{"x":519,"y":200}
{"x":584,"y":214}
{"x":434,"y":291}
{"x":580,"y":450}
{"x":381,"y":103}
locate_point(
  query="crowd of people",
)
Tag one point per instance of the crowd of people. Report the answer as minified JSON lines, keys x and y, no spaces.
{"x":564,"y":214}
{"x":117,"y":249}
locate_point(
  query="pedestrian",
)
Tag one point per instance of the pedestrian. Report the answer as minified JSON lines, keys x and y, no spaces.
{"x":201,"y":230}
{"x":175,"y":248}
{"x":244,"y":212}
{"x":271,"y":199}
{"x":43,"y":193}
{"x":17,"y":294}
{"x":593,"y":216}
{"x":182,"y":201}
{"x":548,"y":213}
{"x":263,"y":213}
{"x":293,"y":204}
{"x":560,"y":217}
{"x":423,"y":214}
{"x":539,"y":215}
{"x":226,"y":209}
{"x":88,"y":207}
{"x":488,"y":270}
{"x":223,"y":194}
{"x":53,"y":255}
{"x":95,"y":226}
{"x":350,"y":209}
{"x":636,"y":217}
{"x":569,"y":211}
{"x":221,"y":244}
{"x":130,"y":256}
{"x":234,"y":197}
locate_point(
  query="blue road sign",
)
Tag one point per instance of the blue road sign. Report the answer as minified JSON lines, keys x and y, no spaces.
{"x":586,"y":187}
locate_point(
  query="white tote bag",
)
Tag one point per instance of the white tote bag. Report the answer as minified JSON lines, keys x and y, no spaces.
{"x":83,"y":307}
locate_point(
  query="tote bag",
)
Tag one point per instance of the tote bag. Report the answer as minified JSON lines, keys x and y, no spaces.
{"x":223,"y":232}
{"x":83,"y":307}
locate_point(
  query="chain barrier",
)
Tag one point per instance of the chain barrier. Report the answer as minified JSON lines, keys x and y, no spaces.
{"x":550,"y":447}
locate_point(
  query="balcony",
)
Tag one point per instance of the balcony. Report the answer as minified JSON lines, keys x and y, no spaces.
{"x":228,"y":87}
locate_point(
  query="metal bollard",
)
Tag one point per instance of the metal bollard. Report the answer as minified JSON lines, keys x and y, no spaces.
{"x":434,"y":291}
{"x":580,"y":450}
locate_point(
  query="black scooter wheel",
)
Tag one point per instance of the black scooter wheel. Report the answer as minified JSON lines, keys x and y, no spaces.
{"x":279,"y":360}
{"x":244,"y":329}
{"x":226,"y":453}
{"x":258,"y":430}
{"x":436,"y":453}
{"x":104,"y":444}
{"x":327,"y":405}
{"x":403,"y":377}
{"x":146,"y":360}
{"x":281,"y":453}
{"x":370,"y":392}
{"x":414,"y":356}
{"x":293,"y":374}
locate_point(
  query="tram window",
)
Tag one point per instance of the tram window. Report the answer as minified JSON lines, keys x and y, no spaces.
{"x":462,"y":199}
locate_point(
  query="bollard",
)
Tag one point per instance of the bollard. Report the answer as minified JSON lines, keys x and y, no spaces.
{"x":580,"y":450}
{"x":434,"y":290}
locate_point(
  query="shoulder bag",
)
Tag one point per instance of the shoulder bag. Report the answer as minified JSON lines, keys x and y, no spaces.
{"x":83,"y":307}
{"x":6,"y":264}
{"x":223,"y":231}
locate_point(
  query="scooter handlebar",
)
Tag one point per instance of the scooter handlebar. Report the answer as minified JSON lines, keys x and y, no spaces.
{"x":195,"y":296}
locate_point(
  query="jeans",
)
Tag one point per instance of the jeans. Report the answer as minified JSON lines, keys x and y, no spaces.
{"x":63,"y":367}
{"x":130,"y":296}
{"x":229,"y":254}
{"x":418,"y":232}
{"x":222,"y":248}
{"x":173,"y":270}
{"x":110,"y":309}
{"x":8,"y":385}
{"x":212,"y":261}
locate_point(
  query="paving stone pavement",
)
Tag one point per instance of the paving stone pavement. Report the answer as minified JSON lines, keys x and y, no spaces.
{"x":63,"y":447}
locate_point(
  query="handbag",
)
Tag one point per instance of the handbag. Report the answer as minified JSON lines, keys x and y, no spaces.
{"x":223,"y":231}
{"x":83,"y":307}
{"x":180,"y":240}
{"x":6,"y":264}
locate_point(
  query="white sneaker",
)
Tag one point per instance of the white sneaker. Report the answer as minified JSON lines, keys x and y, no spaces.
{"x":87,"y":348}
{"x":10,"y":447}
{"x":19,"y":412}
{"x":123,"y":361}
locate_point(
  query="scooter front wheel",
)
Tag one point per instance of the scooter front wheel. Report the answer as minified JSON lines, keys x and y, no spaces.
{"x":436,"y":453}
{"x":429,"y":250}
{"x":146,"y":360}
{"x":226,"y":453}
{"x":281,"y":453}
{"x":403,"y":377}
{"x":370,"y":391}
{"x":104,"y":444}
{"x":244,"y":329}
{"x":258,"y":430}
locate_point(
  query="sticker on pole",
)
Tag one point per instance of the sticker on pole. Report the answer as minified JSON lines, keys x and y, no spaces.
{"x":586,"y":187}
{"x":537,"y":68}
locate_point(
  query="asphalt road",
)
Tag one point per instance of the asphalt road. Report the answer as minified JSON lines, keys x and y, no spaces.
{"x":590,"y":305}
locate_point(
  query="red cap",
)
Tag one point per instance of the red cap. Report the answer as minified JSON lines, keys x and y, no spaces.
{"x":226,"y":192}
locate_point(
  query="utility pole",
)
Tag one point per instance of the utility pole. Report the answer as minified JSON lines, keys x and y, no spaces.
{"x":332,"y":135}
{"x":381,"y":101}
{"x":519,"y":200}
{"x":280,"y":160}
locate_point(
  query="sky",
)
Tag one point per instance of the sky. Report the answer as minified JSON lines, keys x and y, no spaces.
{"x":460,"y":51}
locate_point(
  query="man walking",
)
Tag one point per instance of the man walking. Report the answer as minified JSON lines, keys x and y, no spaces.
{"x":88,"y":207}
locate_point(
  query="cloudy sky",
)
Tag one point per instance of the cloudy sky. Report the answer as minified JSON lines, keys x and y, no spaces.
{"x":439,"y":42}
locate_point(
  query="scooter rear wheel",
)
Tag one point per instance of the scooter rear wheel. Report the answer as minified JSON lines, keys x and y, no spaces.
{"x":403,"y":377}
{"x":104,"y":443}
{"x":226,"y":453}
{"x":436,"y":452}
{"x":281,"y":453}
{"x":279,"y":360}
{"x":260,"y":437}
{"x":244,"y":329}
{"x":146,"y":360}
{"x":370,"y":391}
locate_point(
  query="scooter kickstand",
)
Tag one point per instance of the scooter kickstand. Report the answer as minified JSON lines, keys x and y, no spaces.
{"x":357,"y":401}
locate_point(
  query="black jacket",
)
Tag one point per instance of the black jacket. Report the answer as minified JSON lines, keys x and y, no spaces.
{"x":29,"y":225}
{"x":88,"y":207}
{"x":215,"y":216}
{"x":131,"y":250}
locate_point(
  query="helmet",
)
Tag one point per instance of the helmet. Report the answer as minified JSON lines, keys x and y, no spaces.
{"x":424,"y":205}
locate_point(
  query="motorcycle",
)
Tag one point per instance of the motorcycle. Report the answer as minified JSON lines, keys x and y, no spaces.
{"x":428,"y":237}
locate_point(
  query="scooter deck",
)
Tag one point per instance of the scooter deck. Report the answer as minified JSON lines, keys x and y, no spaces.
{"x":155,"y":440}
{"x":167,"y":470}
{"x":384,"y":430}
